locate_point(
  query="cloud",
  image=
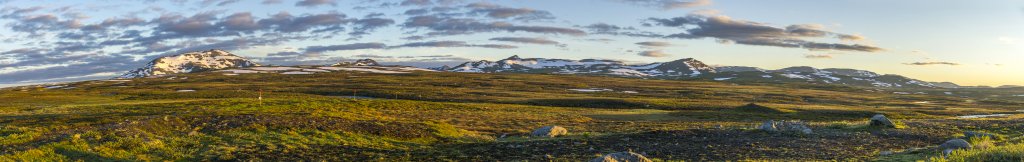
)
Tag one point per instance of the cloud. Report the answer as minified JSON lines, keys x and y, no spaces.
{"x":1009,"y":40}
{"x":285,"y":22}
{"x":654,"y":44}
{"x":356,"y":46}
{"x":609,"y":29}
{"x":366,"y":25}
{"x":36,"y":24}
{"x":54,"y":67}
{"x":654,"y":53}
{"x":818,"y":56}
{"x":242,"y":21}
{"x":416,"y":3}
{"x":218,"y":2}
{"x":452,"y":44}
{"x":440,"y":26}
{"x":932,"y":63}
{"x":501,"y":12}
{"x":314,"y":3}
{"x":271,"y":2}
{"x":372,"y":56}
{"x":727,"y":30}
{"x":669,"y":4}
{"x":527,"y":40}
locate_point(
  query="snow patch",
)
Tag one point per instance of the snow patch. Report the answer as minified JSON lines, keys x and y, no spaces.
{"x":236,"y":71}
{"x":363,"y":70}
{"x":296,"y":73}
{"x":275,"y":68}
{"x":316,"y":70}
{"x":796,"y":76}
{"x":591,"y":90}
{"x":627,"y":72}
{"x":981,"y":116}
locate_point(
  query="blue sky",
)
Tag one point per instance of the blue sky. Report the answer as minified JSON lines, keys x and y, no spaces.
{"x":966,"y":42}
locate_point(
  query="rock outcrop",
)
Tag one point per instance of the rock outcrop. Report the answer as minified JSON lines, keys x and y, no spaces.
{"x":785,"y":126}
{"x":550,"y":131}
{"x":622,"y":157}
{"x":954,"y":144}
{"x":881,"y":121}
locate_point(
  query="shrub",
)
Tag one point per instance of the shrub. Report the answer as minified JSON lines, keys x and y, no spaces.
{"x":1014,"y":152}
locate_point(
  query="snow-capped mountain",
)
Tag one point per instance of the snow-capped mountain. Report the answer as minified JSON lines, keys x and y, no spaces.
{"x":190,"y":62}
{"x":830,"y":76}
{"x":689,"y":68}
{"x":362,"y":62}
{"x":683,"y":67}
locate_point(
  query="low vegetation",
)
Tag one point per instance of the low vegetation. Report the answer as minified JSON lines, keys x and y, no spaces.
{"x":427,"y":116}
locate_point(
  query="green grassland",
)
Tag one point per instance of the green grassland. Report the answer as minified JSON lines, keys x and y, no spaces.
{"x":432,"y":116}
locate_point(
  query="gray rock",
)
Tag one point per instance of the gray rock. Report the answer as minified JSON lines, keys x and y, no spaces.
{"x":785,"y":126}
{"x":882,"y":121}
{"x":885,"y":153}
{"x":550,"y":131}
{"x":807,"y":131}
{"x":622,"y":157}
{"x":768,"y":126}
{"x":955,"y":144}
{"x":972,"y":134}
{"x":946,"y":152}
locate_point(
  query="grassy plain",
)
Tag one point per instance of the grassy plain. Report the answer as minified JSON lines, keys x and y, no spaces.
{"x":431,"y":116}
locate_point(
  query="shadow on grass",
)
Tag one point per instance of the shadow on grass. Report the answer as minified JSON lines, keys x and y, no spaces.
{"x":689,"y":145}
{"x":805,"y":115}
{"x":85,"y":156}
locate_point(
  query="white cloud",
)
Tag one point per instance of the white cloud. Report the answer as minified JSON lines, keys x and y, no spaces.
{"x":1010,"y":41}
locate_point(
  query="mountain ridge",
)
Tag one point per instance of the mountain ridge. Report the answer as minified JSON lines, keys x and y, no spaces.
{"x":689,"y":68}
{"x":686,"y":68}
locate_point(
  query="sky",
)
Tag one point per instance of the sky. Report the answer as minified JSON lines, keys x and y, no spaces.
{"x":965,"y":42}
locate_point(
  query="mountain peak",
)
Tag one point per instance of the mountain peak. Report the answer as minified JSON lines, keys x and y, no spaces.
{"x":514,"y":57}
{"x":360,"y":62}
{"x":189,"y":62}
{"x":686,"y":66}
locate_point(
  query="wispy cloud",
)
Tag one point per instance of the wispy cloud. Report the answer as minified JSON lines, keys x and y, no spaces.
{"x":1010,"y":41}
{"x":932,"y":63}
{"x":669,"y":4}
{"x":818,"y":56}
{"x":728,"y":30}
{"x":654,"y":53}
{"x":654,"y":44}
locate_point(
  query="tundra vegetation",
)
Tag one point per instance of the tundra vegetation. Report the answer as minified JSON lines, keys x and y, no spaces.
{"x":439,"y":116}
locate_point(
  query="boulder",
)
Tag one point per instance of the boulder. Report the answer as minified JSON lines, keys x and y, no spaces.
{"x":550,"y":131}
{"x":954,"y":144}
{"x":881,"y":121}
{"x":622,"y":157}
{"x":768,"y":126}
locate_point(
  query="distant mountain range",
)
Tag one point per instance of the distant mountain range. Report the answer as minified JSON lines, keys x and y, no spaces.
{"x":690,"y":68}
{"x":687,"y":68}
{"x":684,"y":67}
